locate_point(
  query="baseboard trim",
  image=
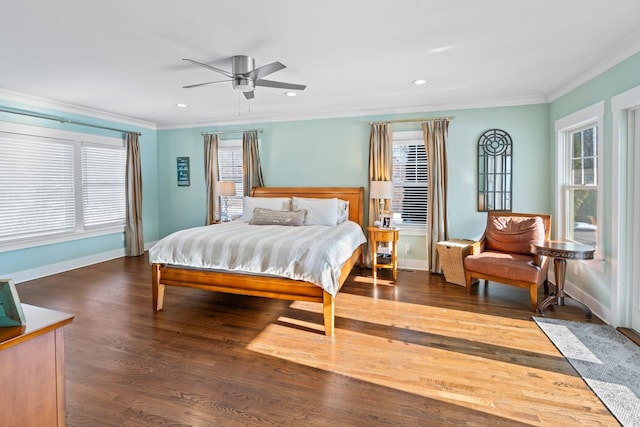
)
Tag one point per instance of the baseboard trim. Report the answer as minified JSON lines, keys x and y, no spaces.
{"x":631,"y":334}
{"x":72,"y":264}
{"x":412,"y":264}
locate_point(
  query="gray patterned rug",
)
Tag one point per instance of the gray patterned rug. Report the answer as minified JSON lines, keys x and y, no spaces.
{"x":607,"y":360}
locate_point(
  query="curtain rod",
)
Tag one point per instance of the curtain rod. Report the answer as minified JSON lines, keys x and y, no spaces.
{"x":430,"y":119}
{"x":230,"y":131}
{"x":61,"y":120}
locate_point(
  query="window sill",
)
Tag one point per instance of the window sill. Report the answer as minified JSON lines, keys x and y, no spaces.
{"x":412,"y":231}
{"x":61,"y":238}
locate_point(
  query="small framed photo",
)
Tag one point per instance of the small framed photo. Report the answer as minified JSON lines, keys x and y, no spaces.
{"x":11,"y":313}
{"x":385,"y":219}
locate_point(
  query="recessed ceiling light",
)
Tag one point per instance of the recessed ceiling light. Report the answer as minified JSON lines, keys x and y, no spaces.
{"x":290,"y":93}
{"x":419,"y":82}
{"x":181,"y":105}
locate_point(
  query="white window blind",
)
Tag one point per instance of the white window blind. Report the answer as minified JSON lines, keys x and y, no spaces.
{"x":37,"y":191}
{"x":103,"y":185}
{"x":58,"y":185}
{"x":409,"y":176}
{"x":230,"y":167}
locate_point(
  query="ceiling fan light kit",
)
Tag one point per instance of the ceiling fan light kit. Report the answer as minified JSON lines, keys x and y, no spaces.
{"x":244,"y":77}
{"x":242,"y":65}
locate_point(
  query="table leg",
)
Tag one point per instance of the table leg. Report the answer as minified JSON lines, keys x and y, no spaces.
{"x":560,"y":298}
{"x":394,"y":258}
{"x":374,"y":258}
{"x":560,"y":268}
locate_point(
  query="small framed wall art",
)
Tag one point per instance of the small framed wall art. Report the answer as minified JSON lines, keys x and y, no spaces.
{"x":183,"y":172}
{"x":10,"y":309}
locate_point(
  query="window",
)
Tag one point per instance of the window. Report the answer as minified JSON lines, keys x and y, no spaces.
{"x":230,"y":167}
{"x":409,"y":176}
{"x":103,"y":185}
{"x":58,"y":185}
{"x":579,"y":177}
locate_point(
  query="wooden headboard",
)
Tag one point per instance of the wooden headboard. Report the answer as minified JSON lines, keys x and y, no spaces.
{"x":354,"y":195}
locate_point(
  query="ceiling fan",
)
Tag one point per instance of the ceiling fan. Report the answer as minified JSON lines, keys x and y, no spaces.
{"x":245,"y":77}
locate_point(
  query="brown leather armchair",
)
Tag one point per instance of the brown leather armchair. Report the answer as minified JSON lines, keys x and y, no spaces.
{"x":503,"y":253}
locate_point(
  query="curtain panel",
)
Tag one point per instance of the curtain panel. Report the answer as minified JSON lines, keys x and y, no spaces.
{"x":435,"y":140}
{"x":251,"y":168}
{"x":211,"y":176}
{"x":380,"y":167}
{"x":133,"y":232}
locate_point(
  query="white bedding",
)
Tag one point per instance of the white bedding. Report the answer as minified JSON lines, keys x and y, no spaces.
{"x":311,"y":253}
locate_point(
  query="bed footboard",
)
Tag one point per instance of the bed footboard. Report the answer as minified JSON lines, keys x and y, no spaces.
{"x":252,"y":285}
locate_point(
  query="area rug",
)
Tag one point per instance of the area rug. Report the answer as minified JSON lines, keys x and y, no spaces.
{"x":607,"y":360}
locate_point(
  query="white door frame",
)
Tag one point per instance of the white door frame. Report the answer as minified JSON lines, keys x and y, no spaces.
{"x":624,"y":221}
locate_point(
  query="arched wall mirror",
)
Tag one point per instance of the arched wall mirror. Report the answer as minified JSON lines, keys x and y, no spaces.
{"x":494,"y":171}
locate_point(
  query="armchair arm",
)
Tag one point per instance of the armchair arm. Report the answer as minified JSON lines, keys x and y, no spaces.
{"x":476,"y":248}
{"x":542,"y":262}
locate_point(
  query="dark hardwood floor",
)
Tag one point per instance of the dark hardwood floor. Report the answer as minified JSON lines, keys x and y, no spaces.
{"x":418,"y":352}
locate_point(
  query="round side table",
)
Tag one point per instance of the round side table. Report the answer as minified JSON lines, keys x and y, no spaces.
{"x":561,"y":251}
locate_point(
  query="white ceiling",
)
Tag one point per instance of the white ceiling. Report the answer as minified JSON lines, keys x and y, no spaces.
{"x":357,"y":57}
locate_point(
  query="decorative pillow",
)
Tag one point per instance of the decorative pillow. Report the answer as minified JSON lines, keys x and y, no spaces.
{"x":274,"y":203}
{"x":319,"y":211}
{"x":343,"y":211}
{"x":263,"y":216}
{"x":513,"y":234}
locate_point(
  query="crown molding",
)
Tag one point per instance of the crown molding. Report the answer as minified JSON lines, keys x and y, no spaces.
{"x":333,"y":114}
{"x":35,"y":101}
{"x":625,"y":50}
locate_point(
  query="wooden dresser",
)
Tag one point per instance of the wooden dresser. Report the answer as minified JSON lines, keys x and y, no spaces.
{"x":32,"y":369}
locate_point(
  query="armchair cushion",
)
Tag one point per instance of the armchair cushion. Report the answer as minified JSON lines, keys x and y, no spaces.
{"x":513,"y":234}
{"x":516,"y":267}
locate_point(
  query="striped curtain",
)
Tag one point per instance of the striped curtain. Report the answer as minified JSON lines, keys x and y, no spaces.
{"x":211,"y":176}
{"x":251,"y":169}
{"x":380,"y":166}
{"x":133,"y":233}
{"x":435,"y":141}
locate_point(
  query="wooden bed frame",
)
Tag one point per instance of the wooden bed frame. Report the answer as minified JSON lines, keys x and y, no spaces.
{"x":268,"y":286}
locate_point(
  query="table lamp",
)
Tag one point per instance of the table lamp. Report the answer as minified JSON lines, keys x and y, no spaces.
{"x":225,"y":189}
{"x":381,"y":190}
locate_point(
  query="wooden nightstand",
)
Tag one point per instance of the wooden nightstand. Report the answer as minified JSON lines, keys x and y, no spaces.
{"x":380,"y":235}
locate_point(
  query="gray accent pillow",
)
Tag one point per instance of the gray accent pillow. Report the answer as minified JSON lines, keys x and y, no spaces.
{"x":263,"y":216}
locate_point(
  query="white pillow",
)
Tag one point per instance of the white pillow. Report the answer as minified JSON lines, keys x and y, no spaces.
{"x":319,"y":211}
{"x":273,"y":203}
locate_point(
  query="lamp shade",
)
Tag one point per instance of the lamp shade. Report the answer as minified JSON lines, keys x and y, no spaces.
{"x":381,"y":190}
{"x":226,"y":188}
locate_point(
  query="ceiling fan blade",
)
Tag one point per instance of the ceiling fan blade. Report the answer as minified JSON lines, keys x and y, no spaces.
{"x":279,"y":85}
{"x":226,"y":73}
{"x":204,"y":84}
{"x":265,"y":70}
{"x":249,"y":95}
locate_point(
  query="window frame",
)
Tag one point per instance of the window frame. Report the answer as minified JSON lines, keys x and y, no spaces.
{"x":409,"y":138}
{"x":77,"y":140}
{"x":232,"y":145}
{"x":591,"y":116}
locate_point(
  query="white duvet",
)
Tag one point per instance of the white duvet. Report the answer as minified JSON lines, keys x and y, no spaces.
{"x":313,"y":253}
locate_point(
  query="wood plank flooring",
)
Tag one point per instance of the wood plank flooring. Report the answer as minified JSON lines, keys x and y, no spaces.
{"x":418,"y":352}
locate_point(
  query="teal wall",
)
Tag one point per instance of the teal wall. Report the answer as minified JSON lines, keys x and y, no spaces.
{"x":42,"y":256}
{"x":334,"y":152}
{"x":620,"y":78}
